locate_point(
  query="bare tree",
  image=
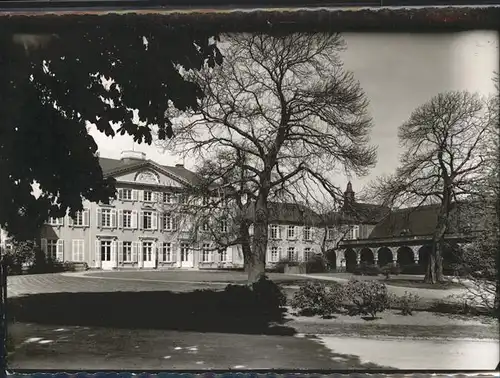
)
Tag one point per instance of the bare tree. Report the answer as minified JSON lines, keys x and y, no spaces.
{"x":287,"y":104}
{"x":443,"y":161}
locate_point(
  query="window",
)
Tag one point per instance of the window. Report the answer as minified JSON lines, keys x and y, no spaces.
{"x":291,"y":232}
{"x":147,"y":251}
{"x":56,"y":221}
{"x":291,"y":254}
{"x":307,"y":253}
{"x":105,"y":250}
{"x":223,"y":225}
{"x":183,"y":199}
{"x":168,"y":198}
{"x":205,"y":253}
{"x":148,"y":196}
{"x":223,"y":255}
{"x":105,"y":217}
{"x":353,"y":233}
{"x":127,"y":251}
{"x":205,"y":201}
{"x":147,"y":220}
{"x":275,"y":232}
{"x":127,"y":218}
{"x":330,"y":235}
{"x":125,"y":194}
{"x":274,"y":254}
{"x":204,"y":226}
{"x":52,"y":249}
{"x":78,"y":219}
{"x":307,"y":233}
{"x":78,"y":250}
{"x":167,"y":222}
{"x":166,"y":252}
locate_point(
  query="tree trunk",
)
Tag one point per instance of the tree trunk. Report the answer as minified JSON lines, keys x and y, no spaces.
{"x":257,"y":261}
{"x":434,"y":271}
{"x":245,"y":246}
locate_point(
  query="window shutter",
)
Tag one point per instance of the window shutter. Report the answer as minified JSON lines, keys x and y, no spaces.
{"x":86,"y":218}
{"x":135,"y":195}
{"x":280,"y":252}
{"x":135,"y":247}
{"x":120,"y":218}
{"x":229,"y":254}
{"x":74,"y":250}
{"x":120,"y":252}
{"x":60,"y":221}
{"x":113,"y":218}
{"x":70,"y":221}
{"x":82,"y":251}
{"x":44,"y":245}
{"x":134,"y":219}
{"x":60,"y":250}
{"x":120,"y":194}
{"x":156,"y":197}
{"x":155,"y":251}
{"x":141,"y":195}
{"x":161,"y":247}
{"x":141,"y":220}
{"x":154,"y":220}
{"x":174,"y":220}
{"x":113,"y":251}
{"x":98,"y":217}
{"x":97,"y":251}
{"x":173,"y":252}
{"x":161,"y":221}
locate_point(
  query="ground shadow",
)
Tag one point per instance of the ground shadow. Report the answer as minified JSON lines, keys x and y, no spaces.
{"x":200,"y":311}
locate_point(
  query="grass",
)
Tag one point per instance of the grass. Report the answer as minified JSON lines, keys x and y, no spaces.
{"x":420,"y":284}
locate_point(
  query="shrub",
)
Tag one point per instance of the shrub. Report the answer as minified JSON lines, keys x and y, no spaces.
{"x":268,"y":294}
{"x":389,"y":269}
{"x":365,"y":269}
{"x":413,"y":269}
{"x":408,"y":302}
{"x":263,"y":298}
{"x":280,"y":265}
{"x":366,"y":297}
{"x":316,"y":264}
{"x":317,"y":298}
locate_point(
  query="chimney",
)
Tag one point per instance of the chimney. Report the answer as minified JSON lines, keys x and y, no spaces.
{"x":348,"y":195}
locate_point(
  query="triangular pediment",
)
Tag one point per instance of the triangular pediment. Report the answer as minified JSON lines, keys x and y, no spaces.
{"x":148,"y":173}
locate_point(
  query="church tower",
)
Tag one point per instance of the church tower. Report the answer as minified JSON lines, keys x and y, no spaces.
{"x":348,"y":195}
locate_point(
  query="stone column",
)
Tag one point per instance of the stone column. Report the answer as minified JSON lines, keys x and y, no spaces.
{"x":394,"y":251}
{"x":358,"y":255}
{"x":375,"y":255}
{"x":340,"y":260}
{"x":415,"y":249}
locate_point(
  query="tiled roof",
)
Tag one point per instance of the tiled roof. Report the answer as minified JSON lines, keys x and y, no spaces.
{"x":419,"y":221}
{"x":108,"y":166}
{"x":289,"y":213}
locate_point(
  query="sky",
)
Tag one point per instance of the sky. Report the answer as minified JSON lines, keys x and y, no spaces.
{"x":398,"y":73}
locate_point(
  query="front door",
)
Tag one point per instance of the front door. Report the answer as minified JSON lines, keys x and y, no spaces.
{"x":148,"y":255}
{"x":107,"y":260}
{"x":186,"y":256}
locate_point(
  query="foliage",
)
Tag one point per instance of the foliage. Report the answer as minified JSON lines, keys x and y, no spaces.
{"x":286,"y":110}
{"x":318,"y":298}
{"x":317,"y":263}
{"x":366,"y":297}
{"x":262,"y":298}
{"x":279,"y":267}
{"x":21,"y":253}
{"x":268,"y":293}
{"x":51,"y":86}
{"x":408,"y":302}
{"x":365,"y":269}
{"x":390,"y":269}
{"x":413,"y":269}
